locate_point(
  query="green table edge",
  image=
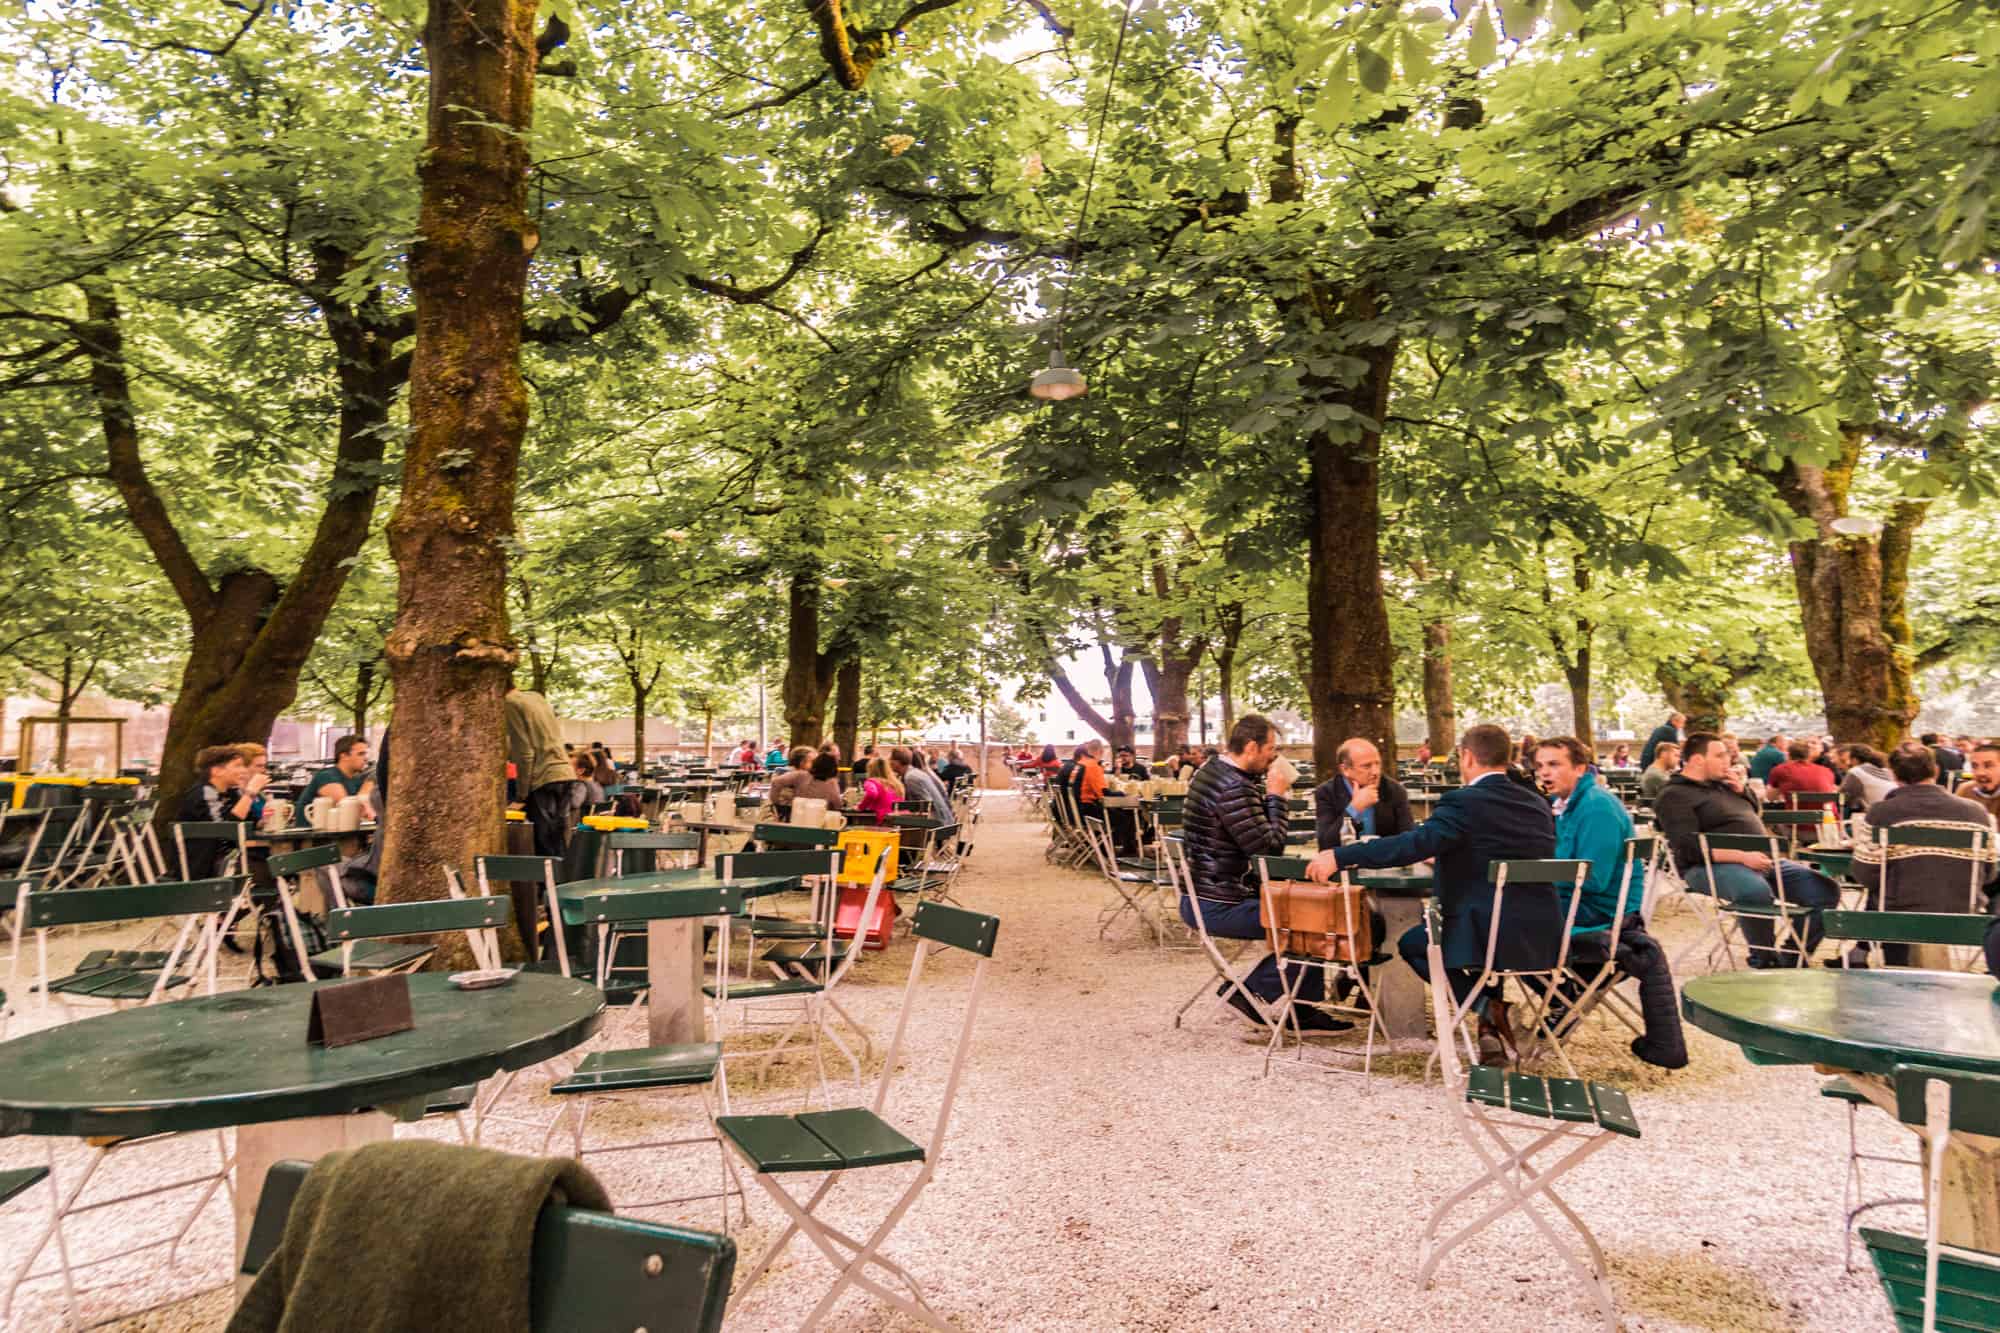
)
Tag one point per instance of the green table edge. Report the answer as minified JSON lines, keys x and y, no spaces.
{"x":1777,"y":1046}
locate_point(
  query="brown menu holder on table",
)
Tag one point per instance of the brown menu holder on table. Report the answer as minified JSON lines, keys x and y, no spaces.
{"x":352,"y":1011}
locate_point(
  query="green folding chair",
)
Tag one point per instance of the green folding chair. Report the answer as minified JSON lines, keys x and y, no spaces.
{"x":590,"y":1272}
{"x":1931,"y":1284}
{"x":1786,"y":918}
{"x":624,"y":1073}
{"x":1486,"y":1106}
{"x":1292,"y":970}
{"x":123,"y":976}
{"x":1971,"y":845}
{"x":787,"y":837}
{"x":540,"y":871}
{"x":381,"y":939}
{"x":836,"y":1142}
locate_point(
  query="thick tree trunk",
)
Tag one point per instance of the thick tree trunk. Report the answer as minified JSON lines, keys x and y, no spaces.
{"x":808,"y":670}
{"x":1440,"y":707}
{"x":1852,"y":605}
{"x":640,"y":694}
{"x":450,"y":652}
{"x":1117,"y":729}
{"x":1229,"y":628}
{"x":1699,"y":692}
{"x":249,"y":636}
{"x":1351,"y":678}
{"x":1352,"y":684}
{"x":1167,"y":677}
{"x":847,"y":709}
{"x":1578,"y":677}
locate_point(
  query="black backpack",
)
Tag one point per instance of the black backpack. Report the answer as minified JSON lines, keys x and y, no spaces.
{"x":274,"y":942}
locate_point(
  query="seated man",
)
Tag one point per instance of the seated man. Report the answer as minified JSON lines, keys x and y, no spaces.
{"x":785,"y":787}
{"x":225,"y":791}
{"x":1708,"y":796}
{"x":343,"y":779}
{"x":1126,"y":764}
{"x":1921,"y":880}
{"x":1592,"y":825}
{"x":1231,"y":817}
{"x":1491,"y":818}
{"x":1983,"y":763}
{"x":1799,"y":772}
{"x":1666,"y":758}
{"x":953,"y":770}
{"x":1358,"y":796}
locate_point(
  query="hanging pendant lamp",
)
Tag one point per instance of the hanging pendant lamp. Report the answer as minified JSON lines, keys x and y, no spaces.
{"x":1061,"y":382}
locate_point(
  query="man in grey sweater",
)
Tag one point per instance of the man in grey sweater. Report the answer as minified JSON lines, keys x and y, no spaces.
{"x":1909,"y":878}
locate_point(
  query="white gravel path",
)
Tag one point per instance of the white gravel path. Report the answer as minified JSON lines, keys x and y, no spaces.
{"x":1107,"y":1171}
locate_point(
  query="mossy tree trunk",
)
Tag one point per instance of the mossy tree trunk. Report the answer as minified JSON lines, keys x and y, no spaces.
{"x":808,"y":668}
{"x":450,"y":651}
{"x":1852,"y":602}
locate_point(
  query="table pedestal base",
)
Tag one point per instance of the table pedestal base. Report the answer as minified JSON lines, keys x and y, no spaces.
{"x":674,"y":1014}
{"x":1400,"y":993}
{"x":258,"y":1146}
{"x":1969,"y":1194}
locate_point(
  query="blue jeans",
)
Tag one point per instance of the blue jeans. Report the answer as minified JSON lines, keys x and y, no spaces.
{"x":1239,"y":921}
{"x":1804,"y":887}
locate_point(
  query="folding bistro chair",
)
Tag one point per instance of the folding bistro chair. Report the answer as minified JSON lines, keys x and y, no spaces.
{"x":1486,"y":1106}
{"x":807,"y":973}
{"x":589,"y":1272}
{"x":624,"y":1073}
{"x":379,"y":939}
{"x":1970,"y":844}
{"x":856,"y":1139}
{"x":541,"y":872}
{"x":1350,"y":921}
{"x":1131,"y":887}
{"x":1783,"y":914}
{"x":1551,"y":882}
{"x":1582,"y":989}
{"x":122,"y":976}
{"x":1930,"y":1284}
{"x":1228,"y":968}
{"x":1955,"y":931}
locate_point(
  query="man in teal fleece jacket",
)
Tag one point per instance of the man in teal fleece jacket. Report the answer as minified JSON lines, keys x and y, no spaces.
{"x":1591,"y":825}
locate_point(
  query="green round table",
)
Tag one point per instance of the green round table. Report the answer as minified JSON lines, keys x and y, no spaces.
{"x":242,"y":1059}
{"x":1862,"y":1024}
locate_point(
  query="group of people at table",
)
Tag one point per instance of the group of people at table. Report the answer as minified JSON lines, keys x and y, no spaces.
{"x":1236,"y":811}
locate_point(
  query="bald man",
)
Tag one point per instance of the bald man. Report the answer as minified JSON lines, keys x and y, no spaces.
{"x":1377,"y":805}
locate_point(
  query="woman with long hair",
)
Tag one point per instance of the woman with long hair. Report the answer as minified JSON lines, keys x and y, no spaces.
{"x":880,"y":790}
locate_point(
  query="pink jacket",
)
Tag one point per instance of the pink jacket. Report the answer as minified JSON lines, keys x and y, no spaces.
{"x":876,"y":799}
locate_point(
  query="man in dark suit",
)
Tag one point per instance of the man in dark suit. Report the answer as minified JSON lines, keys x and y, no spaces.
{"x":1493,"y":817}
{"x":1378,"y":807}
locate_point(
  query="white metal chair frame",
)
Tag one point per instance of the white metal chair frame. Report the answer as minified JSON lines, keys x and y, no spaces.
{"x":1538,"y":982}
{"x":1228,"y":968}
{"x":1601,"y":987}
{"x":1292,"y":971}
{"x":851,"y":1256}
{"x":1727,"y":923}
{"x":198,"y":952}
{"x":575,"y":1111}
{"x":1133,"y":888}
{"x":1509,"y":1166}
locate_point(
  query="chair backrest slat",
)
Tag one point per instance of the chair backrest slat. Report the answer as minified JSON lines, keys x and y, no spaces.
{"x":289,"y":864}
{"x":524,"y":869}
{"x":1538,"y":872}
{"x":1283,"y":867}
{"x":634,"y":841}
{"x":1737,"y":842}
{"x":129,"y":902}
{"x":386,"y":919}
{"x":1963,"y":929}
{"x":746,"y":865}
{"x":975,"y":932}
{"x":794,"y":835}
{"x":1975,"y":1098}
{"x":1951,"y":839}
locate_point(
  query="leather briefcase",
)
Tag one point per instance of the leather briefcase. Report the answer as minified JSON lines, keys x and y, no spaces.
{"x":1331,"y":921}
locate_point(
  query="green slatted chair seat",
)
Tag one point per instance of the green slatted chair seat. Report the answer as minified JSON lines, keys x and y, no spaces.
{"x":805,"y":952}
{"x":374,"y":955}
{"x":783,"y":928}
{"x":768,"y":988}
{"x":819,"y":1141}
{"x":909,"y":884}
{"x":1840,"y":1090}
{"x":112,"y":983}
{"x":1570,"y":1099}
{"x":1968,"y":1288}
{"x":451,"y":1099}
{"x":643,"y":1067}
{"x":13,"y":1182}
{"x":1766,"y":909}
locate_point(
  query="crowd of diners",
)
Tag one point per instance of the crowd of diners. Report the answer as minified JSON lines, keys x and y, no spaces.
{"x":1549,"y":799}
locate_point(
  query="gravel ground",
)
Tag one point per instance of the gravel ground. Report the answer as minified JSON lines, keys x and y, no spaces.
{"x":1107,"y":1171}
